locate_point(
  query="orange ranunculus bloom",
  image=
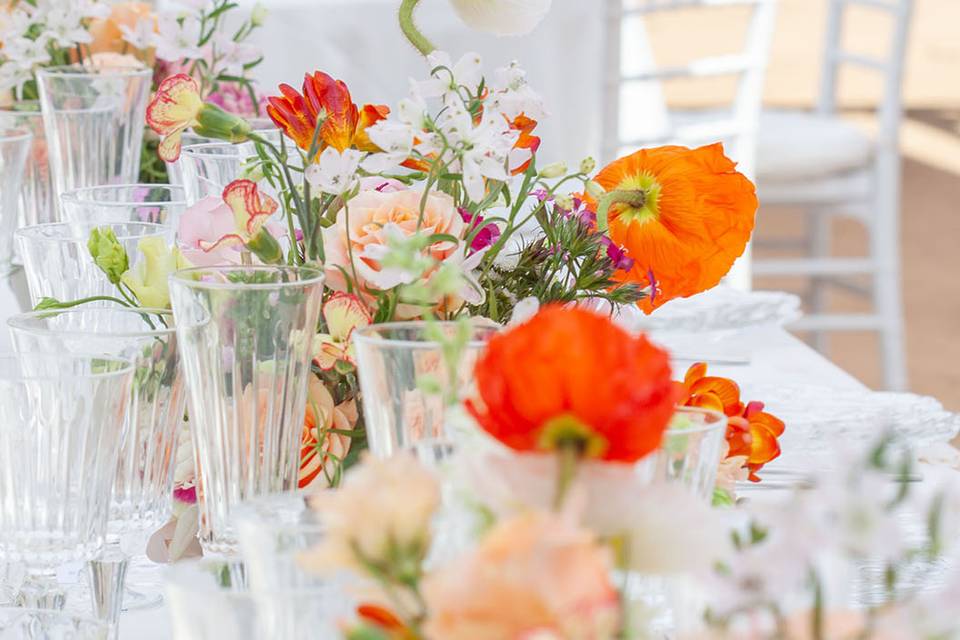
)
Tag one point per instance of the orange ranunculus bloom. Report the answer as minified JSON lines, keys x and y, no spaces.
{"x":571,"y":372}
{"x":751,"y":432}
{"x":345,"y":124}
{"x":696,"y":218}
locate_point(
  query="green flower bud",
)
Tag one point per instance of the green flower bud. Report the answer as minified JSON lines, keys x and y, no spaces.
{"x":214,"y":122}
{"x":594,"y":189}
{"x":564,"y":201}
{"x":108,"y":253}
{"x":258,"y":15}
{"x":588,"y":165}
{"x":47,"y":303}
{"x":554,"y":170}
{"x":265,"y":246}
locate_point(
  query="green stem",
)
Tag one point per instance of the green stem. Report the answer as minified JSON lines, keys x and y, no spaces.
{"x":567,"y":456}
{"x":75,"y":303}
{"x":633,"y":197}
{"x":410,"y":30}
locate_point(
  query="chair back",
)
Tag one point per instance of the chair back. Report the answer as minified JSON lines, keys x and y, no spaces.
{"x":636,"y":111}
{"x":888,"y":65}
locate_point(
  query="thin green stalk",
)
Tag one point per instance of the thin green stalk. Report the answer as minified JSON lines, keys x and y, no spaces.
{"x":410,"y":30}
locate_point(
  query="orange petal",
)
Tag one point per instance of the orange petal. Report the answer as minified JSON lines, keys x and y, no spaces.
{"x":763,"y":446}
{"x":324,"y":95}
{"x":696,"y":371}
{"x":706,"y":401}
{"x":369,"y":114}
{"x":725,"y":389}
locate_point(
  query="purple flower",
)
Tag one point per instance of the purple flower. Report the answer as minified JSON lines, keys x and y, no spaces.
{"x":618,"y":255}
{"x":541,"y":194}
{"x":487,"y":235}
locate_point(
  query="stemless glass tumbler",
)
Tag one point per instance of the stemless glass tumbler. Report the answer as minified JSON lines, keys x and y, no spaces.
{"x":94,"y":119}
{"x":396,"y":361}
{"x":156,"y":203}
{"x":36,"y":193}
{"x":58,"y":263}
{"x":62,"y":418}
{"x":245,"y":336}
{"x":14,"y":149}
{"x":691,"y":449}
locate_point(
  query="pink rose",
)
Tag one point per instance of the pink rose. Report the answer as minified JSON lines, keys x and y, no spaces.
{"x":535,"y":575}
{"x":375,"y":217}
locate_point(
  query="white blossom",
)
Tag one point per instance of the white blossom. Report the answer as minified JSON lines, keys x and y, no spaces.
{"x":502,"y":17}
{"x":178,"y":39}
{"x":63,"y":26}
{"x":335,"y":172}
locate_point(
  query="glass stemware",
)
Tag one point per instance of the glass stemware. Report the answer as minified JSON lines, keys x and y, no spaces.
{"x":156,"y":203}
{"x":94,"y":119}
{"x":14,"y":149}
{"x":58,"y":263}
{"x":245,"y":336}
{"x":62,"y":418}
{"x":142,"y":489}
{"x":394,"y":359}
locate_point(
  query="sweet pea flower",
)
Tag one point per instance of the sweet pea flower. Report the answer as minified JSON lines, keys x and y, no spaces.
{"x":148,"y":279}
{"x":343,"y":313}
{"x":205,"y":222}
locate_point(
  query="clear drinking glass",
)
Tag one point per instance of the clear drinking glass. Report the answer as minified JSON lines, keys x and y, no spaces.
{"x":691,"y":449}
{"x":211,"y":599}
{"x":156,"y":203}
{"x":394,"y":360}
{"x":263,"y":127}
{"x":36,"y":192}
{"x":58,"y":263}
{"x":94,"y":119}
{"x":18,"y":623}
{"x":63,"y":418}
{"x":245,"y":337}
{"x":207,"y":168}
{"x":14,"y":149}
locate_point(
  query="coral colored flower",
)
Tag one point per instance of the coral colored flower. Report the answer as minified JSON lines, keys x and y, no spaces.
{"x":373,"y":217}
{"x":533,"y":574}
{"x":751,"y":432}
{"x":344,"y":125}
{"x":174,"y":108}
{"x":693,"y":217}
{"x":572,"y":372}
{"x":322,"y":450}
{"x":343,"y":313}
{"x":251,"y":211}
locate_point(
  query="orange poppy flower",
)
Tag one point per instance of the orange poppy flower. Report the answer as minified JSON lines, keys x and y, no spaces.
{"x":571,"y":374}
{"x":344,"y":125}
{"x":751,"y":431}
{"x":692,"y":217}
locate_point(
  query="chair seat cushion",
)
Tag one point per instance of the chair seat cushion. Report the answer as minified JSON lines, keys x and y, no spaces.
{"x":797,"y":145}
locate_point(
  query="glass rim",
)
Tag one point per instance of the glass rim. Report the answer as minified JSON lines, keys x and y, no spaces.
{"x":14,"y":134}
{"x":79,"y":70}
{"x":72,"y":196}
{"x":21,"y":322}
{"x":363,"y":334}
{"x":198,"y":148}
{"x":184,"y":276}
{"x":34,"y":230}
{"x":719,"y":423}
{"x":125,"y":365}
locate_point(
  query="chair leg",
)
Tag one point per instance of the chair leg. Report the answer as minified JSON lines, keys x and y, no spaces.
{"x":818,"y":241}
{"x":885,"y":249}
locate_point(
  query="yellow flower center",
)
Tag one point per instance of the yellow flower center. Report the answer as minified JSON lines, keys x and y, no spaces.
{"x":647,"y":184}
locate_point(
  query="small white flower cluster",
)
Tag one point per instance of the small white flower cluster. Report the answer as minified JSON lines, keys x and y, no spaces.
{"x":180,"y":37}
{"x":31,"y":34}
{"x":473,"y":133}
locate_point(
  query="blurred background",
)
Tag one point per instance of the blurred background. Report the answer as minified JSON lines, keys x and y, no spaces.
{"x":592,"y":61}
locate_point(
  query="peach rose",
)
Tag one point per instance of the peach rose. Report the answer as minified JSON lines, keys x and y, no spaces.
{"x":375,"y":217}
{"x":319,"y":446}
{"x":534,"y":575}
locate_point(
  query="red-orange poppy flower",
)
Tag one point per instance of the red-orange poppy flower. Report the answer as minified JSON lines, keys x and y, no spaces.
{"x":690,"y":217}
{"x":571,"y":374}
{"x":344,"y":125}
{"x":751,"y":431}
